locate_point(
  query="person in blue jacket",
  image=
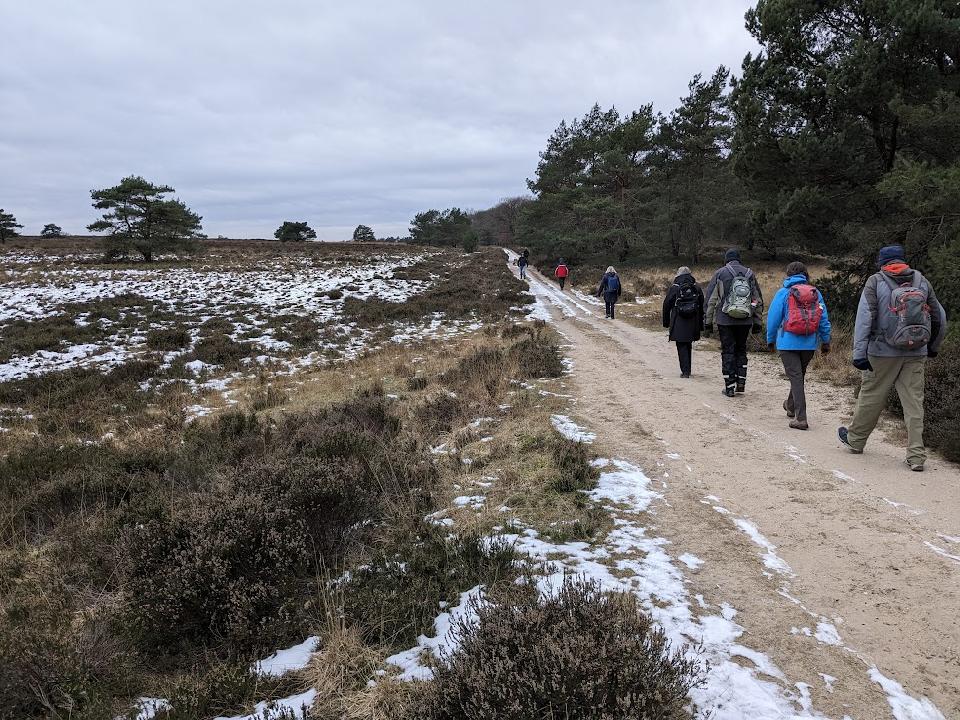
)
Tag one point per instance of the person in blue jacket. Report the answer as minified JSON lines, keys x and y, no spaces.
{"x":800,"y":314}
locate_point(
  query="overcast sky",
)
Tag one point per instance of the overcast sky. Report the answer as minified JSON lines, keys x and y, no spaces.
{"x":334,"y":113}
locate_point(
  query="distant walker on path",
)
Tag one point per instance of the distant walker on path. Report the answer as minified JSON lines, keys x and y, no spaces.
{"x":522,"y":262}
{"x":609,"y":290}
{"x":796,"y":323}
{"x":735,"y":303}
{"x":561,"y":273}
{"x":900,"y":323}
{"x":683,"y":311}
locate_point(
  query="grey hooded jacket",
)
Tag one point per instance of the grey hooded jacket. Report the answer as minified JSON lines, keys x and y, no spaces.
{"x":868,"y":337}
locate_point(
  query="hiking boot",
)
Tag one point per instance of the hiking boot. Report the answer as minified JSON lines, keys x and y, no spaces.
{"x":799,"y":425}
{"x":741,"y":386}
{"x":915,"y":465}
{"x":684,"y":375}
{"x":790,"y":413}
{"x":842,"y":433}
{"x":730,"y":391}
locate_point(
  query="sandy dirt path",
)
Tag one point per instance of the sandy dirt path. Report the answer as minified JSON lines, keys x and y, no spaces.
{"x":845,"y":569}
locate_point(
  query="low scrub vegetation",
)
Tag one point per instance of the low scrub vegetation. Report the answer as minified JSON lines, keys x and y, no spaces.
{"x":583,"y":653}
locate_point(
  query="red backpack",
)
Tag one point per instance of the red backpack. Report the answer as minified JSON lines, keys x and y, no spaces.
{"x":804,"y":310}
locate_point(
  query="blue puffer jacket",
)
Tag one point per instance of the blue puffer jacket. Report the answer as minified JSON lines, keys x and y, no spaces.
{"x":777,"y":315}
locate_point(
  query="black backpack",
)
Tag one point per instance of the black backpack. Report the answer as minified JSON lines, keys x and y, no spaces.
{"x":687,"y":301}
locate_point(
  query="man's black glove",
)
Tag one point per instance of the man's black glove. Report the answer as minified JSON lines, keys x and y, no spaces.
{"x":757,"y":328}
{"x":932,"y":353}
{"x":862,"y":364}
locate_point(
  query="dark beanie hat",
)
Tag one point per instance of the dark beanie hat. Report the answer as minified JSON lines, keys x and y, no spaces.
{"x":889,"y":254}
{"x":732,"y":254}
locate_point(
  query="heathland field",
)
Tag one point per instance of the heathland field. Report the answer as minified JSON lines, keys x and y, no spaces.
{"x":350,"y":481}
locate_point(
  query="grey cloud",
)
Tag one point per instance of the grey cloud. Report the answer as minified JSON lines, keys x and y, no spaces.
{"x":329,"y":112}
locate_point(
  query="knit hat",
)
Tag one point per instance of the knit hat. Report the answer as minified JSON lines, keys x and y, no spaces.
{"x":891,"y":253}
{"x":683,"y":271}
{"x":732,"y":254}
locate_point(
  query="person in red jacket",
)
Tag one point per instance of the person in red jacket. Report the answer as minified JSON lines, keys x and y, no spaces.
{"x":561,"y":273}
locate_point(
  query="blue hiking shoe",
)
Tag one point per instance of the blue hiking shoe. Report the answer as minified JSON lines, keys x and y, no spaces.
{"x":842,"y":432}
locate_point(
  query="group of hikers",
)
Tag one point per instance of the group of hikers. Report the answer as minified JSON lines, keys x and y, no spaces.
{"x":899,"y":324}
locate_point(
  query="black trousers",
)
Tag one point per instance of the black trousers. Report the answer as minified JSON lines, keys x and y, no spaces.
{"x":795,"y":365}
{"x":561,"y":280}
{"x":610,"y":299}
{"x":685,"y":355}
{"x":733,"y":351}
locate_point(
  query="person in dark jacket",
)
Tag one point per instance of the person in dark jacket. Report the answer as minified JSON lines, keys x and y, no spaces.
{"x":609,"y":290}
{"x":735,"y":315}
{"x":522,"y":262}
{"x":683,"y":310}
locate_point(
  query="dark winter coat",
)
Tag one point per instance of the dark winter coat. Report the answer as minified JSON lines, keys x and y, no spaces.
{"x":683,"y":329}
{"x":604,"y":291}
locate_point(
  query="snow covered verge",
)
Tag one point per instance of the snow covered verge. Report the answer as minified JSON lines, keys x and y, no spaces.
{"x":262,"y":301}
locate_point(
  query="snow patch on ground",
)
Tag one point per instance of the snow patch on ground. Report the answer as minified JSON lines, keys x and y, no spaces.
{"x":292,"y":658}
{"x":943,"y":553}
{"x":411,"y":662}
{"x":770,"y":558}
{"x":299,"y":705}
{"x":570,"y":430}
{"x":904,"y":706}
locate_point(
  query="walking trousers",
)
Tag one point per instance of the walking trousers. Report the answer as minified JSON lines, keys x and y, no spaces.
{"x":906,"y":374}
{"x":685,"y":355}
{"x":561,"y":280}
{"x":795,"y":365}
{"x":733,"y":352}
{"x":610,"y":298}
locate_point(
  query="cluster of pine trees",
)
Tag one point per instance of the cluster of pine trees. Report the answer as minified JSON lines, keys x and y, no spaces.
{"x":841,"y":135}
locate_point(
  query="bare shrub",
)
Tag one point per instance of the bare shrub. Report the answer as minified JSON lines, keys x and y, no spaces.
{"x":584,"y":654}
{"x":175,"y":338}
{"x":393,"y":601}
{"x":571,"y":463}
{"x":536,"y":356}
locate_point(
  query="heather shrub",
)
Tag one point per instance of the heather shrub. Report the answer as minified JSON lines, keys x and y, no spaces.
{"x":571,"y":463}
{"x":221,"y":350}
{"x":228,"y":562}
{"x":536,"y":357}
{"x":54,"y":662}
{"x":583,"y":653}
{"x":438,"y":413}
{"x":166,"y":339}
{"x":394,"y":598}
{"x":941,"y":401}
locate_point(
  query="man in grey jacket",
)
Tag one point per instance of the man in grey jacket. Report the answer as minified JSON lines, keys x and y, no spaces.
{"x":884,"y":351}
{"x":735,"y":317}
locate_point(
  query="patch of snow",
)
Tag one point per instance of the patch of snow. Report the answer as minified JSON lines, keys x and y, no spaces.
{"x":904,"y":706}
{"x":299,"y":705}
{"x":828,"y":681}
{"x":474,"y":501}
{"x":691,"y":561}
{"x":147,"y":708}
{"x":827,"y":633}
{"x":940,"y":551}
{"x":570,"y":430}
{"x":293,"y":658}
{"x":410,"y":662}
{"x":770,"y":558}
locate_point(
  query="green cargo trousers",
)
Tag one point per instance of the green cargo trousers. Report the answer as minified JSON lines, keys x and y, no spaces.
{"x":906,"y":374}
